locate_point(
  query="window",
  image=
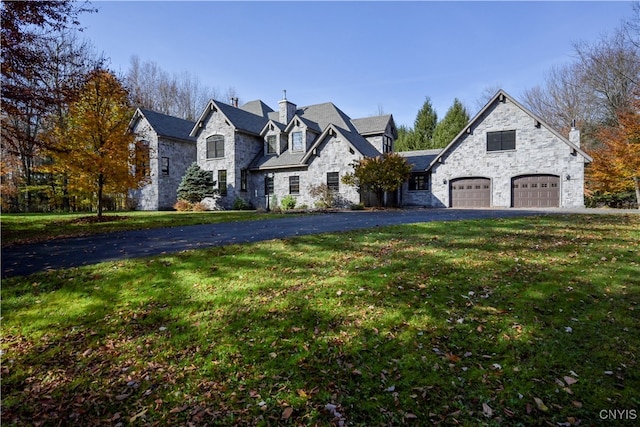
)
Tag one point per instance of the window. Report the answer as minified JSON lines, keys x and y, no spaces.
{"x":222,"y":182}
{"x":215,"y":147}
{"x":333,"y":181}
{"x":268,"y":185}
{"x":272,"y":144}
{"x":296,"y":141}
{"x":418,"y":181}
{"x":165,"y":166}
{"x":387,"y":144}
{"x":142,"y":159}
{"x":501,"y":141}
{"x":294,"y":184}
{"x":243,"y":180}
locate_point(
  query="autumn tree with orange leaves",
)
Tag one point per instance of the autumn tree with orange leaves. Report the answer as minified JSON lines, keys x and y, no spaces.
{"x":94,"y":146}
{"x":616,"y":164}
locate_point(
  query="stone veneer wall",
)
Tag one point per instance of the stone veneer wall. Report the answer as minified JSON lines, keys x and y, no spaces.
{"x":181,"y":155}
{"x":538,"y":151}
{"x":333,"y":156}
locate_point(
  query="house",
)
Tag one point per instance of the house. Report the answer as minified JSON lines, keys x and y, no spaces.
{"x":256,"y":153}
{"x":505,"y":157}
{"x":164,"y":150}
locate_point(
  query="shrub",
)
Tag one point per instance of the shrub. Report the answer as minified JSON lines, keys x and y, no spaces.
{"x":200,"y":207}
{"x":288,"y":202}
{"x":240,"y":204}
{"x":357,"y":206}
{"x":325,"y":196}
{"x":183,"y":206}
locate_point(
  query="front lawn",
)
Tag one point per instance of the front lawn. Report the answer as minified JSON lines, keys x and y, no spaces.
{"x":526,"y":321}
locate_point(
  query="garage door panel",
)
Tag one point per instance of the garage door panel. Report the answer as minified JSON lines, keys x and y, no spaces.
{"x":535,"y":191}
{"x":471,"y":193}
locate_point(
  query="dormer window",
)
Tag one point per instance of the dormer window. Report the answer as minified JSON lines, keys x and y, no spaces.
{"x":272,"y":147}
{"x":296,"y":141}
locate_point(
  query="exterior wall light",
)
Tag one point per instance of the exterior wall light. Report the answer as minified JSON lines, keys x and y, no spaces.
{"x":568,"y":177}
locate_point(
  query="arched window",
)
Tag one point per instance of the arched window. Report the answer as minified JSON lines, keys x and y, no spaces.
{"x":215,"y":146}
{"x":142,"y":169}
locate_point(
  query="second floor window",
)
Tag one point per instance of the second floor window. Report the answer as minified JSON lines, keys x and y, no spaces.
{"x":272,"y":142}
{"x":296,"y":141}
{"x":387,"y":144}
{"x":215,"y":147}
{"x":501,"y":141}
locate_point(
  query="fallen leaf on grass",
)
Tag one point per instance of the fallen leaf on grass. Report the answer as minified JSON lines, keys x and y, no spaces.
{"x":286,"y":414}
{"x":487,"y":411}
{"x":570,"y":380}
{"x":541,"y":404}
{"x":138,"y":415}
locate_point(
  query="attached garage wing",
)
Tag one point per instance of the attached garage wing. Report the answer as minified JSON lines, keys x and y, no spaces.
{"x":535,"y":191}
{"x":471,"y":193}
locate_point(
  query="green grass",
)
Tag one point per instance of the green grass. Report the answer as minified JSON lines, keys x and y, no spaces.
{"x":439,"y":323}
{"x":24,"y":228}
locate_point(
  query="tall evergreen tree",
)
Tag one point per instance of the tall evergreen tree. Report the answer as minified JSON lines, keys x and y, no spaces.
{"x":424,"y":125}
{"x":453,"y":122}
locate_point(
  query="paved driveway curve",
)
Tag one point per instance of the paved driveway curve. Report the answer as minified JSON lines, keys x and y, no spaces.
{"x":21,"y":260}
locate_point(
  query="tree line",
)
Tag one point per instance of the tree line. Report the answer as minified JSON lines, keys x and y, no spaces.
{"x":65,"y":115}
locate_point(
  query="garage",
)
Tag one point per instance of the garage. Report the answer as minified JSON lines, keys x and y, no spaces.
{"x":471,"y":193}
{"x":535,"y":191}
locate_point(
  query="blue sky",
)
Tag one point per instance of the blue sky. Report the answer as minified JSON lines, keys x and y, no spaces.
{"x":362,"y":56}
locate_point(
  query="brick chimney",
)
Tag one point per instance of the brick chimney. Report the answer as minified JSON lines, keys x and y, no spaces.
{"x":574,"y":134}
{"x":287,"y":109}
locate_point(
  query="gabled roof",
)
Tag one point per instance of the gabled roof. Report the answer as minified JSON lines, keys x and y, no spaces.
{"x":374,"y":125}
{"x":275,"y":123}
{"x":501,"y":94}
{"x":326,"y":114}
{"x":240,"y":119}
{"x":354,"y":139}
{"x":165,"y":125}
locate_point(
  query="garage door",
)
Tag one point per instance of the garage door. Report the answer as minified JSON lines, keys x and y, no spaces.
{"x":535,"y":191}
{"x":471,"y":193}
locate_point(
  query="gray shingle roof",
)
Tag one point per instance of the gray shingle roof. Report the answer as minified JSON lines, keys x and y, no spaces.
{"x":326,"y":114}
{"x":372,"y":125}
{"x":420,"y":159}
{"x":243,"y":120}
{"x":286,"y":159}
{"x":257,"y":107}
{"x":169,"y":126}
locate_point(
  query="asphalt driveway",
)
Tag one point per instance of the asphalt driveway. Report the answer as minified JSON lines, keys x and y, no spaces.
{"x":22,"y":260}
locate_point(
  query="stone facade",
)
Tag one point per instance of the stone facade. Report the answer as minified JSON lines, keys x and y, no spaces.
{"x":323,"y":148}
{"x":327,"y":142}
{"x":538,"y":151}
{"x":171,"y":152}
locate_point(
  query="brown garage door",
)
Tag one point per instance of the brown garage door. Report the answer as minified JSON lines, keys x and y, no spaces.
{"x":471,"y":193}
{"x":535,"y":191}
